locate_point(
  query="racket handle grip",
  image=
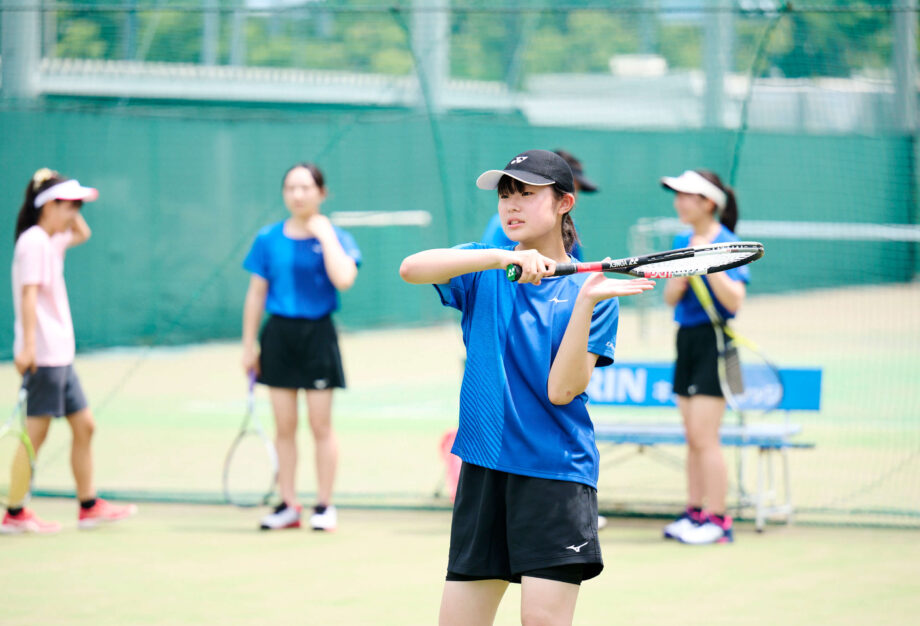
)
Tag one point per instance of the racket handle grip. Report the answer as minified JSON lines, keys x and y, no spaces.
{"x":513,"y":272}
{"x":565,"y":269}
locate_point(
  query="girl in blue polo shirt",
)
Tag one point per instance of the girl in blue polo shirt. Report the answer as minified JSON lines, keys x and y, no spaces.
{"x":298,"y":266}
{"x":526,"y":503}
{"x":709,"y":208}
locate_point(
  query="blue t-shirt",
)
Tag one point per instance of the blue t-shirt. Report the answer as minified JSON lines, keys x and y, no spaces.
{"x":298,"y":285}
{"x":689,"y":311}
{"x":496,"y":237}
{"x":512,"y":332}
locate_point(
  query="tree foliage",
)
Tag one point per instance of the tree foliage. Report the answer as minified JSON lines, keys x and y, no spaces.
{"x":484,"y":44}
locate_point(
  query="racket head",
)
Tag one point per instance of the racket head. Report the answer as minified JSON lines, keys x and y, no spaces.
{"x":251,"y":466}
{"x":17,"y":458}
{"x":250,"y":470}
{"x":750,"y":381}
{"x":697,"y":261}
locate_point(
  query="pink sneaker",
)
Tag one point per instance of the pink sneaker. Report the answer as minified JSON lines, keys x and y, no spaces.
{"x":103,"y":512}
{"x":27,"y":522}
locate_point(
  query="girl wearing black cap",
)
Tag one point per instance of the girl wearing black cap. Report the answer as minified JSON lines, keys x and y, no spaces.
{"x":526,"y":503}
{"x":297,"y":268}
{"x":708,"y":207}
{"x":48,"y":224}
{"x":493,"y":233}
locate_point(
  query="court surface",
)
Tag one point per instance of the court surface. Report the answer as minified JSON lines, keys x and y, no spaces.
{"x":195,"y":564}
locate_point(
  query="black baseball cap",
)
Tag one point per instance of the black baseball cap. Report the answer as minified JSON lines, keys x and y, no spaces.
{"x":534,"y":167}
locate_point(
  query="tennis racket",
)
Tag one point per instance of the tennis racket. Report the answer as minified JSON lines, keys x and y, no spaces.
{"x":17,"y":457}
{"x":748,"y":378}
{"x":695,"y":261}
{"x":251,"y":466}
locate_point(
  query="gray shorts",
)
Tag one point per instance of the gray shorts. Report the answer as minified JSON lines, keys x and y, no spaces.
{"x":53,"y":392}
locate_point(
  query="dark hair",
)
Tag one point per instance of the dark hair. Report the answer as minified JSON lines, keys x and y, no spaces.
{"x":508,"y":185}
{"x":310,"y":167}
{"x":569,"y":158}
{"x":729,"y":215}
{"x":28,"y":212}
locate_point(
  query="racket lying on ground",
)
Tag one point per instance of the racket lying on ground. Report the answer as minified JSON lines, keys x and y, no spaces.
{"x":17,"y":457}
{"x":251,"y":466}
{"x":695,"y":261}
{"x":749,"y":379}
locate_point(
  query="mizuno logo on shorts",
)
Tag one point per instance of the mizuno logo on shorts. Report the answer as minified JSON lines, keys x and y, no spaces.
{"x":576,"y":548}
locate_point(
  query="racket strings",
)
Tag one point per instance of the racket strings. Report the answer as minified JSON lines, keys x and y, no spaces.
{"x":250,"y":470}
{"x":752,"y":382}
{"x":698,"y":263}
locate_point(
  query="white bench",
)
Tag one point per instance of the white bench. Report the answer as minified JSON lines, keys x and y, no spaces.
{"x":649,"y":385}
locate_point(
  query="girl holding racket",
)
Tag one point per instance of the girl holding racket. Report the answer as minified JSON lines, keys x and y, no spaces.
{"x":298,"y":266}
{"x":526,"y":503}
{"x":709,"y":208}
{"x":49,"y":223}
{"x":494,"y":234}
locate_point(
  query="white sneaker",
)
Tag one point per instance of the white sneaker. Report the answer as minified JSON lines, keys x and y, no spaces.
{"x":709,"y":531}
{"x":283,"y":516}
{"x":601,"y":521}
{"x":324,"y":521}
{"x":678,"y":527}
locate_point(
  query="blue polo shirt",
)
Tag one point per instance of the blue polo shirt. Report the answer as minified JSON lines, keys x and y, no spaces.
{"x":298,"y":285}
{"x":689,"y":311}
{"x":512,"y":332}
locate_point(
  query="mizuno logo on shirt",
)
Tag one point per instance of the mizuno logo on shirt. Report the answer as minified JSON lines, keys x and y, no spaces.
{"x":576,"y":548}
{"x":557,"y":300}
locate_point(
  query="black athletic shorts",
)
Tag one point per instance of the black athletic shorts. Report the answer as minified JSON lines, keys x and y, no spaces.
{"x":696,"y":371}
{"x":53,"y":392}
{"x":506,"y":526}
{"x":300,"y":354}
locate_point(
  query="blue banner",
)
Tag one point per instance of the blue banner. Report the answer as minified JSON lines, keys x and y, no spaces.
{"x":649,"y":384}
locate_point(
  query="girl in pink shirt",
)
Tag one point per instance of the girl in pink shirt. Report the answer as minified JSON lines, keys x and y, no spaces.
{"x":49,"y":223}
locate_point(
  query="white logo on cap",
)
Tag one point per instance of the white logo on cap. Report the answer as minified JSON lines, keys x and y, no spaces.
{"x":518,"y":159}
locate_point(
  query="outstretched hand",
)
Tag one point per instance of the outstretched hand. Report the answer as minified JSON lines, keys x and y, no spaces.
{"x":598,"y":287}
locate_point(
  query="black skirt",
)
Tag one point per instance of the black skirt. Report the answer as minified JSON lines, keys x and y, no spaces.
{"x":696,"y":371}
{"x":300,"y":354}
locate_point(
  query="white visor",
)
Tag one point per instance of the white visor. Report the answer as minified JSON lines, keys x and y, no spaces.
{"x":67,"y":190}
{"x":692,"y":182}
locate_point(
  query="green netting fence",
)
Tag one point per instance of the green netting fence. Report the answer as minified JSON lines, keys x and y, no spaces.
{"x":186,"y":114}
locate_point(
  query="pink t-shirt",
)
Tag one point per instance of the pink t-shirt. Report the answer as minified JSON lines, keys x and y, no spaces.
{"x":38,"y":259}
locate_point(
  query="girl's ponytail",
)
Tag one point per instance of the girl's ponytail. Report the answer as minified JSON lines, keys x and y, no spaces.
{"x":569,"y":234}
{"x":28,"y":212}
{"x":729,"y":215}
